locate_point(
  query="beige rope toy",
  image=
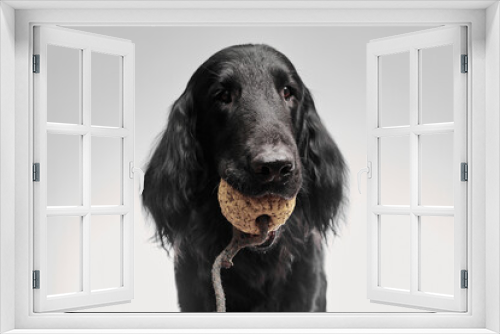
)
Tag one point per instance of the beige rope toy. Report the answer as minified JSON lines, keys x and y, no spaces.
{"x":249,"y":215}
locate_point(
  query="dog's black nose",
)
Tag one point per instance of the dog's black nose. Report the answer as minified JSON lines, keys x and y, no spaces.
{"x":269,"y":168}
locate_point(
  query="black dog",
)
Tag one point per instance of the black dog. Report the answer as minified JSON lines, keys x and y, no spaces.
{"x":247,"y":117}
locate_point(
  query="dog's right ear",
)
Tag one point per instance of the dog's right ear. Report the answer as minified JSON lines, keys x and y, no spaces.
{"x":174,"y":171}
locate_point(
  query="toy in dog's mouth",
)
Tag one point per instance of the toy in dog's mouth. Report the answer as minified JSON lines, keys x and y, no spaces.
{"x":255,"y":223}
{"x":242,"y":211}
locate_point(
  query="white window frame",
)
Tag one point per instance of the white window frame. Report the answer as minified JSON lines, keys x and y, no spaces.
{"x":413,"y":44}
{"x":87,"y":44}
{"x":483,"y":20}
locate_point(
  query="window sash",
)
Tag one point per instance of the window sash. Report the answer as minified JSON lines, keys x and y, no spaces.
{"x":412,"y":43}
{"x":87,"y":43}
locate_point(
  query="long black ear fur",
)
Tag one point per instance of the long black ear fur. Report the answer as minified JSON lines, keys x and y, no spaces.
{"x":174,"y":172}
{"x":325,"y":171}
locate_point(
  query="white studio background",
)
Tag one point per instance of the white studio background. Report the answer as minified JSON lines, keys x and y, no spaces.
{"x":332,"y":63}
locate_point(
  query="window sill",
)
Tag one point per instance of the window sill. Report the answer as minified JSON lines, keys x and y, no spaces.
{"x":249,"y":331}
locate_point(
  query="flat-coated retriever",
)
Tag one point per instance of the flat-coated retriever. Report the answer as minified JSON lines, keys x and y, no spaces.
{"x":247,"y":117}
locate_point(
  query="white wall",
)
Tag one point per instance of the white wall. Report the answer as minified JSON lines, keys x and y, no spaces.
{"x":492,"y":163}
{"x":332,"y":63}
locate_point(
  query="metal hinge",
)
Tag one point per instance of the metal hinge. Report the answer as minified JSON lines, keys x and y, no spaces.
{"x":36,"y":172}
{"x":464,"y":279}
{"x":36,"y":63}
{"x":465,"y":64}
{"x":36,"y":279}
{"x":464,"y":171}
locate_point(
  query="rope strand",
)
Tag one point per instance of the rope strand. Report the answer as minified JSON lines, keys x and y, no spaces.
{"x":239,"y":241}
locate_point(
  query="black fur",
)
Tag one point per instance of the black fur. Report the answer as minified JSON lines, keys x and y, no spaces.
{"x":234,"y":111}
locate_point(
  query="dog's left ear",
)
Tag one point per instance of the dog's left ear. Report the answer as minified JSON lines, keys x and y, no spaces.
{"x":324,"y":168}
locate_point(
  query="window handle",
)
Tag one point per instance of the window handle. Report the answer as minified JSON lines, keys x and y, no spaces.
{"x":140,"y":173}
{"x":368,"y":171}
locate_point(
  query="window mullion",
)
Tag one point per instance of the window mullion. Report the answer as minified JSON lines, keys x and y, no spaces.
{"x":414,"y":170}
{"x":87,"y":165}
{"x":54,"y":211}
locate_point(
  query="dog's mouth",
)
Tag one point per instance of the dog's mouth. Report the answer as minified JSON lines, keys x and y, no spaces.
{"x":285,"y":191}
{"x":268,"y":243}
{"x":248,"y":186}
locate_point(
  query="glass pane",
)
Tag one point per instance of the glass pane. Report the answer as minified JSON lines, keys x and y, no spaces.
{"x":63,"y":85}
{"x":106,"y":89}
{"x":395,"y":170}
{"x":105,"y":252}
{"x":436,"y":84}
{"x":106,"y":171}
{"x":436,"y":176}
{"x":395,"y":252}
{"x":436,"y":254}
{"x":394,"y":90}
{"x":64,"y":244}
{"x":64,"y":168}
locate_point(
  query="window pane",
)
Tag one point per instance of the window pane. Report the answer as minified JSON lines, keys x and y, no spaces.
{"x":394,"y":89}
{"x":64,"y":244}
{"x":436,"y":254}
{"x":106,"y":89}
{"x":64,"y":168}
{"x":105,"y":252}
{"x":437,"y":84}
{"x":395,"y":170}
{"x":106,"y":171}
{"x":436,"y":184}
{"x":395,"y":252}
{"x":63,"y":85}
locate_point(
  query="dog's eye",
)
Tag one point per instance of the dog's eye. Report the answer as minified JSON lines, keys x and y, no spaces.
{"x":287,"y":93}
{"x":225,"y":97}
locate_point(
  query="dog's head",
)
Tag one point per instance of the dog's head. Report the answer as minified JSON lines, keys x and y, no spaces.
{"x":251,"y":96}
{"x":247,"y":117}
